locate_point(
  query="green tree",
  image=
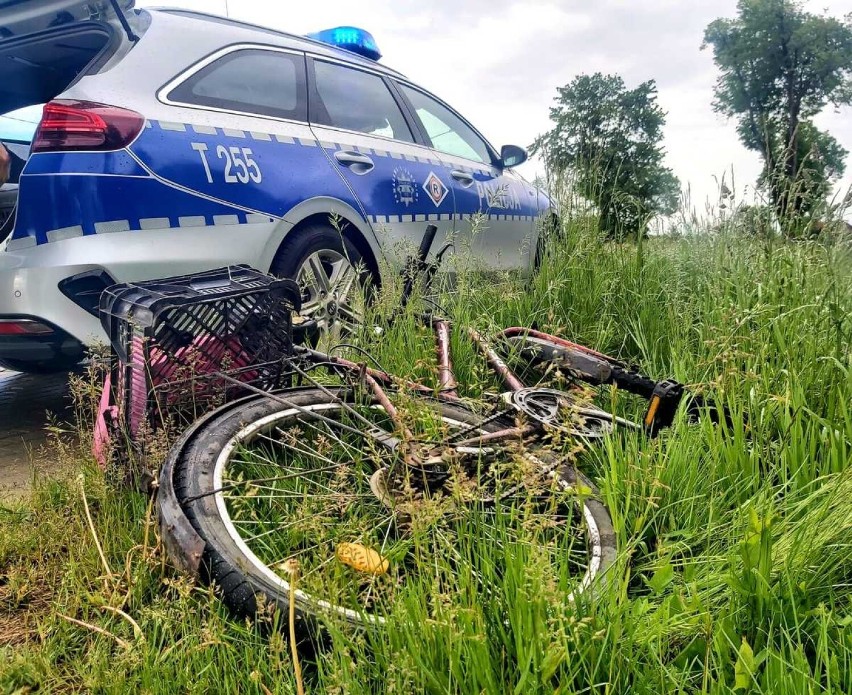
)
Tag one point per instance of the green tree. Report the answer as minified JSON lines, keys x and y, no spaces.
{"x":780,"y":66}
{"x":606,"y":139}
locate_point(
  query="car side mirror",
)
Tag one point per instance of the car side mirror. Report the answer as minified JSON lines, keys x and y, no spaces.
{"x":512,"y":156}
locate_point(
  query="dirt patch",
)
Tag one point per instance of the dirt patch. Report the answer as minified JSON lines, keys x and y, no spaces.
{"x":26,"y":595}
{"x":27,"y":402}
{"x":20,"y":626}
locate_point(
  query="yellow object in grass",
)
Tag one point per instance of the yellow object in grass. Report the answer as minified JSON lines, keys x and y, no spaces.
{"x":362,"y":559}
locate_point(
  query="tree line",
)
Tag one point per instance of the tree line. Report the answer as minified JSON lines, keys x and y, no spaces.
{"x":779,"y":66}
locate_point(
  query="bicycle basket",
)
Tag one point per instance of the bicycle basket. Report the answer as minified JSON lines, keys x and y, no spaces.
{"x":174,"y":339}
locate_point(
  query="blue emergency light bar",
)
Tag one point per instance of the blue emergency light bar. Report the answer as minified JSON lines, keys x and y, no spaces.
{"x":350,"y":39}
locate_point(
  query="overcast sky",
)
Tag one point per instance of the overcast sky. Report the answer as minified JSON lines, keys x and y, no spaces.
{"x":499,"y":63}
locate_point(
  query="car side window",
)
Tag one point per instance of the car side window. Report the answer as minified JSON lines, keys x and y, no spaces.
{"x":356,"y":100}
{"x":255,"y":81}
{"x":448,"y":133}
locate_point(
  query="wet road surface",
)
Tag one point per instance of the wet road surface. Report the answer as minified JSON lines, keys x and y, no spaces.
{"x":25,"y":400}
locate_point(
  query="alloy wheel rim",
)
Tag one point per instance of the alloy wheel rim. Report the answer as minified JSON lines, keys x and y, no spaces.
{"x":329,"y":284}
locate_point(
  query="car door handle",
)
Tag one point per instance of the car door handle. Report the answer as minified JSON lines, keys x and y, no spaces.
{"x":358,"y":163}
{"x":462,"y":177}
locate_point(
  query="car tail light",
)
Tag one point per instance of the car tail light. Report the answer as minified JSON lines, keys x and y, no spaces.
{"x":23,"y":327}
{"x":82,"y":125}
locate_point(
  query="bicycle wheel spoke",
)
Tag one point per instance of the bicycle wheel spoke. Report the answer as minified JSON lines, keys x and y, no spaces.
{"x":373,"y":431}
{"x":277,"y":529}
{"x":332,"y":495}
{"x":382,"y":549}
{"x":305,"y":452}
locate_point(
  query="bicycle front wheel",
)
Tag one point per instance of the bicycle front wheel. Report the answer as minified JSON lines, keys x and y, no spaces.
{"x":318,"y":483}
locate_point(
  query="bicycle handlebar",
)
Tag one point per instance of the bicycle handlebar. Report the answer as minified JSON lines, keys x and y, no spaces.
{"x":664,"y":397}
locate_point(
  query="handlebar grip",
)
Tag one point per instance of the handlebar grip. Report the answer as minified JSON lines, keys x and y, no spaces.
{"x":426,"y":242}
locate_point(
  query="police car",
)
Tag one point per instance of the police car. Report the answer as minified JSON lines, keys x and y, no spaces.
{"x":174,"y":142}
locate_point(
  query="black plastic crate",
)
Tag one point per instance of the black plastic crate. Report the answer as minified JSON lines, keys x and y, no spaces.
{"x":174,"y":338}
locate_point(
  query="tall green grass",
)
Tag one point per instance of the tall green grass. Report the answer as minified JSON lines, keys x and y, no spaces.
{"x":735,"y":541}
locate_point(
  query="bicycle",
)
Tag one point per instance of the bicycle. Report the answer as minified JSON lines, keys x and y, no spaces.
{"x":355,"y":481}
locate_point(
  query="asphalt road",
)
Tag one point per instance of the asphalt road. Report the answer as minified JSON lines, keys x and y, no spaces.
{"x":25,"y":400}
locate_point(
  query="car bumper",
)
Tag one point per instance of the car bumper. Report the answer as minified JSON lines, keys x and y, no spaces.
{"x":30,"y":290}
{"x":42,"y":351}
{"x":33,"y":279}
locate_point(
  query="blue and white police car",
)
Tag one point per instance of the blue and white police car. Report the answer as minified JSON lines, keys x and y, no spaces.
{"x":174,"y":142}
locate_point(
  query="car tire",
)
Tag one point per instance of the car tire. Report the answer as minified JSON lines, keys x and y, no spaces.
{"x":316,"y":246}
{"x":550,"y":230}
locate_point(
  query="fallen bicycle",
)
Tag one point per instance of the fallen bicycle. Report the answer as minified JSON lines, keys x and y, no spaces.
{"x":361,"y":486}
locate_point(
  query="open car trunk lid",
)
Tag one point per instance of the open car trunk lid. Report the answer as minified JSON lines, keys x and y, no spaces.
{"x":22,"y":17}
{"x":46,"y":44}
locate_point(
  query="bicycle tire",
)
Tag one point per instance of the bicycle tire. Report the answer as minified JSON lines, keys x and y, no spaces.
{"x":248,"y":584}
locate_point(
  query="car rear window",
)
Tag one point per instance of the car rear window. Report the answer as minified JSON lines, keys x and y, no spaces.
{"x":356,"y":100}
{"x":256,"y":81}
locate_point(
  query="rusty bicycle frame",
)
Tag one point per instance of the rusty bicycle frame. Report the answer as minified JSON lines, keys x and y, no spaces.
{"x":580,"y":362}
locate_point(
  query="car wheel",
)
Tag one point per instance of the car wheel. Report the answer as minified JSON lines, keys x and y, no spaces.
{"x":549,"y":231}
{"x":331,"y":274}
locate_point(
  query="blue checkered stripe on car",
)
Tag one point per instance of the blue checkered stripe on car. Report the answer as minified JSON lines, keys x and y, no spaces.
{"x":131,"y":197}
{"x":390,"y":216}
